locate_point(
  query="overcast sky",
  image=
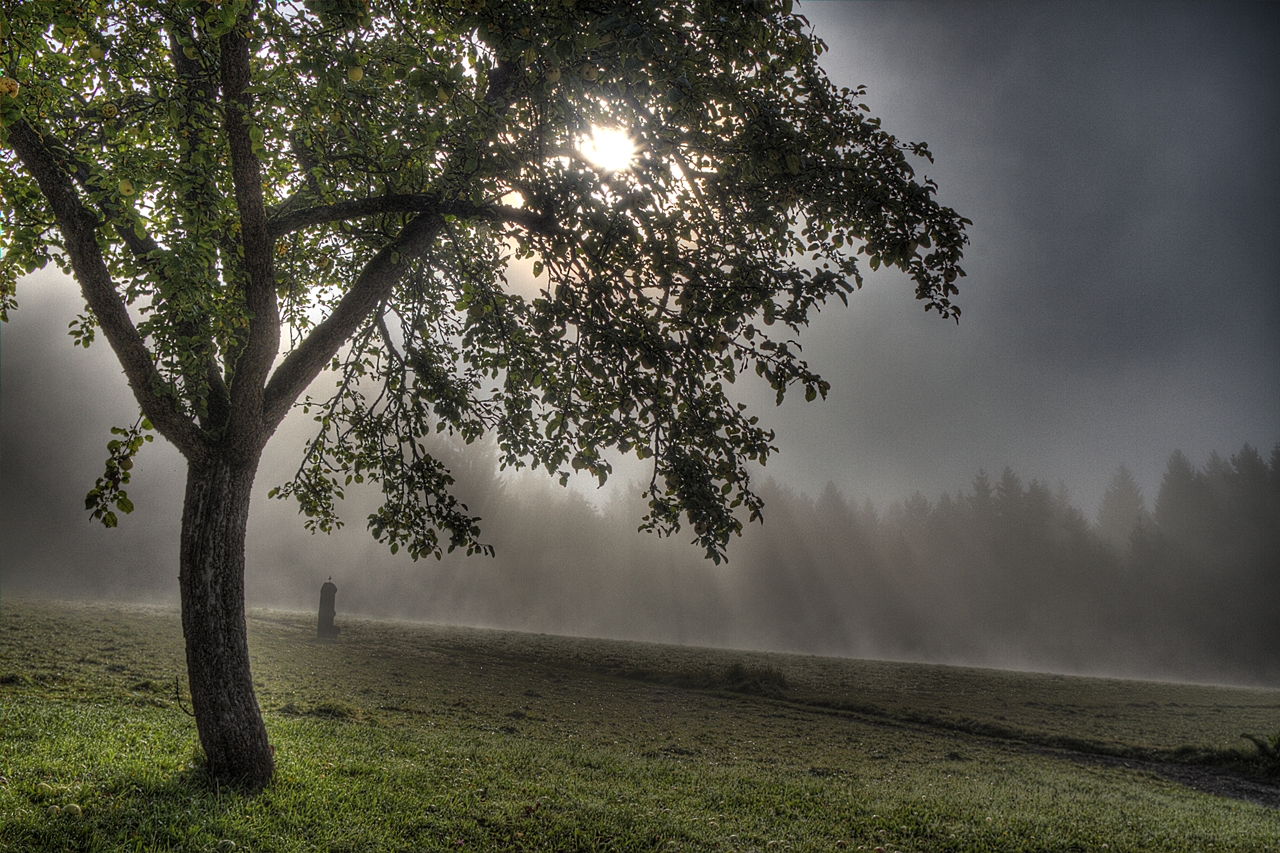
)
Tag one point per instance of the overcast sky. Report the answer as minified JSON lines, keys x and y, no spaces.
{"x":1118,"y":163}
{"x":1123,"y":299}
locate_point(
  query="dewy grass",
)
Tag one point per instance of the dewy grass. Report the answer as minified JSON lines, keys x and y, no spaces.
{"x":406,"y":738}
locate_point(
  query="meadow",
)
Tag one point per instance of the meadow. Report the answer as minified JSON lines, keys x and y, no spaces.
{"x":408,"y":737}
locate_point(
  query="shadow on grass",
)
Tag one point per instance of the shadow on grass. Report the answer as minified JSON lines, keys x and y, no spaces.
{"x":186,"y":810}
{"x":735,"y":678}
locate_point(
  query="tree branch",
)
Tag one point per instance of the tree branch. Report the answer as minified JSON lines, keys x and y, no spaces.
{"x":140,"y":248}
{"x":79,"y":228}
{"x":251,"y":368}
{"x":371,"y":287}
{"x":422,"y":203}
{"x":388,"y":266}
{"x":200,"y":87}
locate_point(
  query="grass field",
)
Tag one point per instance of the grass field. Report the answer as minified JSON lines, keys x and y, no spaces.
{"x":405,"y":737}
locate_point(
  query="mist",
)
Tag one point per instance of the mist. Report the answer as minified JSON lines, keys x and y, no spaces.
{"x":1007,"y":572}
{"x":1122,"y":304}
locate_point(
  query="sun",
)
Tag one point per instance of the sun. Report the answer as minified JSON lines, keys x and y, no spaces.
{"x":608,"y":148}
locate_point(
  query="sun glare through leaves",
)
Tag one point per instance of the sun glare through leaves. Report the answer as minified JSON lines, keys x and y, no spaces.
{"x":609,"y":148}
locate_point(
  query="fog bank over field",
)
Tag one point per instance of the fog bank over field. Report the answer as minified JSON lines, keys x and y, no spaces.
{"x":1121,"y":304}
{"x":1007,"y":572}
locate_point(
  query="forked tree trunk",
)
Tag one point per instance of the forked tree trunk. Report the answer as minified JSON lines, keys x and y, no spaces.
{"x":214,"y":518}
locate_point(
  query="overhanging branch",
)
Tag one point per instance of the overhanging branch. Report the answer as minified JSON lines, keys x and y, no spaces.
{"x":142,"y":247}
{"x":79,"y":227}
{"x":371,"y":287}
{"x":427,"y":204}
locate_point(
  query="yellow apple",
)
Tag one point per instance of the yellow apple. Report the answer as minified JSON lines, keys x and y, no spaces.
{"x":126,"y":187}
{"x":355,"y":73}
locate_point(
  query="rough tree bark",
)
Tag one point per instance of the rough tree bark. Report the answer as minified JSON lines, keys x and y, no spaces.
{"x":215,"y":516}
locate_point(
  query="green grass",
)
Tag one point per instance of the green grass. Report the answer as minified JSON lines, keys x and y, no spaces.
{"x":407,"y":737}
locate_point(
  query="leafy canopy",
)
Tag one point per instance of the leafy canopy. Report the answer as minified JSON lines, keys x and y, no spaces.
{"x":277,"y":187}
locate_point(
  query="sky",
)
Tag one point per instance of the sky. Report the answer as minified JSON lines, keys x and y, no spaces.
{"x":1122,"y":298}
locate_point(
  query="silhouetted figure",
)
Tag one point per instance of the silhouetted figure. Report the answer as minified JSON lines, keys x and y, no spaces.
{"x":328,"y":609}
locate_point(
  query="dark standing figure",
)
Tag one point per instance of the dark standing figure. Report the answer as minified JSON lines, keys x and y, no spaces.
{"x":328,"y":609}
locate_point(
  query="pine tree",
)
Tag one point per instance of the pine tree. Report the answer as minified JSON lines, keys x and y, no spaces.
{"x":1123,"y":509}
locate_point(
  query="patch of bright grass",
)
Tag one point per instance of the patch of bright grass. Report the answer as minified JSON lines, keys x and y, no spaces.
{"x":405,"y":737}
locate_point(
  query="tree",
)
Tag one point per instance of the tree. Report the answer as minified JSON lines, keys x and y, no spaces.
{"x":359,"y":174}
{"x":1122,"y":510}
{"x":1184,"y":504}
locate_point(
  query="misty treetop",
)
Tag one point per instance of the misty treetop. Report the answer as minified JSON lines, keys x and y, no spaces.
{"x":1215,"y":543}
{"x":250,"y":192}
{"x":1189,"y":588}
{"x":1123,"y":508}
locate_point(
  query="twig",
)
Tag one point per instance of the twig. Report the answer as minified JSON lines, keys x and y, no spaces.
{"x":177,"y":697}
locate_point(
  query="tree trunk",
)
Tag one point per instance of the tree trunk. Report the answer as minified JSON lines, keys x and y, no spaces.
{"x":214,"y":518}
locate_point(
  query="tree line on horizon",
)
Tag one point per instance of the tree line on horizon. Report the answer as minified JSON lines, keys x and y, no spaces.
{"x":1187,"y":587}
{"x":1009,"y":573}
